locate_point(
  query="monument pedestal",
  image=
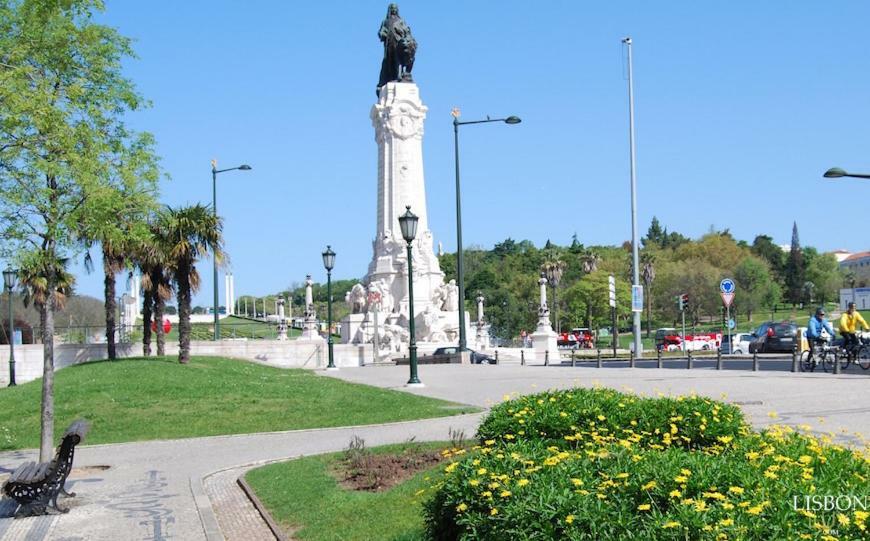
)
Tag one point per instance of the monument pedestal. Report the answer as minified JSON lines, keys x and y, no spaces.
{"x":545,"y":340}
{"x":352,"y":331}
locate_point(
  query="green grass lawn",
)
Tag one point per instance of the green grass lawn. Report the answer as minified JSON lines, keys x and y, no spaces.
{"x":158,"y":398}
{"x":231,"y":327}
{"x":304,"y":498}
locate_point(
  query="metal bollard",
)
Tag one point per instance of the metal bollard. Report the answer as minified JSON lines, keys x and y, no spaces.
{"x":573,"y":360}
{"x":522,"y":357}
{"x":719,"y":358}
{"x":496,"y":356}
{"x":659,"y":358}
{"x":836,"y":363}
{"x":689,"y":362}
{"x":547,"y":358}
{"x":795,"y":365}
{"x":598,"y":360}
{"x":755,"y":361}
{"x":631,"y":359}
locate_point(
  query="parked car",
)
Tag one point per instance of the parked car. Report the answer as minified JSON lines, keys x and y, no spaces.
{"x":774,"y":337}
{"x":580,"y":337}
{"x":476,"y":356}
{"x":741,"y":343}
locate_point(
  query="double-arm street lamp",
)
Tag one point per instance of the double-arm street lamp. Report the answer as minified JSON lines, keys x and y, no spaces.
{"x":328,"y":263}
{"x":836,"y":172}
{"x":459,"y":274}
{"x":10,"y":276}
{"x":214,"y":174}
{"x":408,"y":225}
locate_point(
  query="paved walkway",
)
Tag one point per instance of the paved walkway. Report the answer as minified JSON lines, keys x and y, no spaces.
{"x":185,"y":489}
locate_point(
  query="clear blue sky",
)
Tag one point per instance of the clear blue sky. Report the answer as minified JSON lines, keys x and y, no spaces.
{"x":740,"y":108}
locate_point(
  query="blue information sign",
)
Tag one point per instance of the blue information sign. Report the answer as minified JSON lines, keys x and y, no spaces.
{"x":726,"y":285}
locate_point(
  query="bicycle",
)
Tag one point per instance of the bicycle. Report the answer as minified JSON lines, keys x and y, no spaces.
{"x":821,"y":352}
{"x":862,"y":352}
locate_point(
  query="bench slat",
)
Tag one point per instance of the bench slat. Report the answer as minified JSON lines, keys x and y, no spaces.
{"x":21,"y":472}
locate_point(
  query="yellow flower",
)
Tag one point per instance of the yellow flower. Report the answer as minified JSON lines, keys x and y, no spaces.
{"x":755,"y":510}
{"x":474,"y":482}
{"x":670,"y":524}
{"x":726,"y":522}
{"x":569,"y":519}
{"x":481,"y":471}
{"x":522,"y":482}
{"x":450,"y":467}
{"x":505,"y":493}
{"x":643,"y":507}
{"x":843,"y":519}
{"x":681,"y":479}
{"x":772,"y":414}
{"x":770,"y":475}
{"x":601,"y":417}
{"x":489,"y":442}
{"x":576,"y":482}
{"x":675,"y":494}
{"x":648,"y":486}
{"x":725,"y":439}
{"x":493,"y":512}
{"x":621,"y":475}
{"x":461,"y":507}
{"x":735,"y":490}
{"x":752,"y":455}
{"x":686,"y":472}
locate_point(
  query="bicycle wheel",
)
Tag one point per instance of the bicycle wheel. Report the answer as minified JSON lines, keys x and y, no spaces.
{"x":808,"y":363}
{"x":826,"y":359}
{"x":863,"y":358}
{"x":845,"y":360}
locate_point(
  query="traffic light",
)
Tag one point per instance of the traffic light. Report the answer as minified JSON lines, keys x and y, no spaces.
{"x":683,"y":301}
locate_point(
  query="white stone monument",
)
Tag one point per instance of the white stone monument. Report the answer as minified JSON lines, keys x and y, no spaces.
{"x":398,"y":118}
{"x":282,"y":322}
{"x":309,"y":323}
{"x":482,"y":325}
{"x":544,"y":338}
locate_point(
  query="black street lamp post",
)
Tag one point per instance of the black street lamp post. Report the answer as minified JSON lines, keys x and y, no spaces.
{"x":459,"y":269}
{"x":9,"y":278}
{"x":836,"y":172}
{"x":214,"y":173}
{"x":328,"y":263}
{"x":408,"y":224}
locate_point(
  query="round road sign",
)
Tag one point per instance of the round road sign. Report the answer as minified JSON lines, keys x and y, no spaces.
{"x":726,"y":285}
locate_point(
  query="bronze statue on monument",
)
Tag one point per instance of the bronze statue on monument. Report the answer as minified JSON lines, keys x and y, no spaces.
{"x":400,"y":47}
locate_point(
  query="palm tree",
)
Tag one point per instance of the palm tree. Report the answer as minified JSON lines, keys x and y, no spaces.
{"x":191,"y":233}
{"x":553,"y":271}
{"x":648,"y":275}
{"x":114,"y":254}
{"x":151,"y":256}
{"x":590,"y":261}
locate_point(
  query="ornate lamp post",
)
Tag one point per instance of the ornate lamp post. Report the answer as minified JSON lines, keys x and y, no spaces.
{"x":214,"y":173}
{"x":408,"y":224}
{"x":10,"y":276}
{"x":328,"y":263}
{"x":459,"y":274}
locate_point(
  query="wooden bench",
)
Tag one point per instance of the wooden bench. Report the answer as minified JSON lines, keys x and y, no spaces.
{"x":35,"y":486}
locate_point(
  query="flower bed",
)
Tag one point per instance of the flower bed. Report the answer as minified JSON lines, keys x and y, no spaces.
{"x":598,"y":464}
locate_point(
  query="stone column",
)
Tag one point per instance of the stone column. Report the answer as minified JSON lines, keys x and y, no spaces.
{"x":544,"y":338}
{"x":309,"y":325}
{"x":282,"y":323}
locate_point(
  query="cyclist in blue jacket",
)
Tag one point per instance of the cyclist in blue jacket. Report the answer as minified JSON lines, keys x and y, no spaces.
{"x":817,"y":324}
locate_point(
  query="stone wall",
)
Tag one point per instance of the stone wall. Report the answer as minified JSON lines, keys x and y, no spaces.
{"x":289,"y":354}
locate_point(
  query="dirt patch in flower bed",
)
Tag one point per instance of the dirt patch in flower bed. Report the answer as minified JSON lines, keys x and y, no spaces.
{"x":360,"y":469}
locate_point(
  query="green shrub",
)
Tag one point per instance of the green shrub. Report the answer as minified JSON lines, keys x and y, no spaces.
{"x":690,"y":422}
{"x":737,"y":485}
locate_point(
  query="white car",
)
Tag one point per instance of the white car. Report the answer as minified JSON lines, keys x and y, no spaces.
{"x":741,"y":343}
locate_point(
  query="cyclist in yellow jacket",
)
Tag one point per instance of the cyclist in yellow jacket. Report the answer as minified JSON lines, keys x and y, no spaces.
{"x":849,"y":322}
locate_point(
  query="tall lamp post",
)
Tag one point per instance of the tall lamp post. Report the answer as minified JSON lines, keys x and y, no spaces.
{"x":836,"y":172}
{"x":459,"y":274}
{"x":635,"y":272}
{"x":10,"y":276}
{"x":214,"y":174}
{"x":329,"y":262}
{"x":408,"y":224}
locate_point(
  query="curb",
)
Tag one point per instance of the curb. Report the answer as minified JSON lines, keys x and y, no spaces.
{"x":258,"y":505}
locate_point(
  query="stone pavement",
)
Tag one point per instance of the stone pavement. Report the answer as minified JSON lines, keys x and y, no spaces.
{"x":185,"y":489}
{"x":828,"y":403}
{"x":156,"y":490}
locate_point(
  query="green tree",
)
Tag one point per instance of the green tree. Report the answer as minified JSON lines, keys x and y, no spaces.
{"x":764,"y":247}
{"x":757,"y":288}
{"x":192,"y":233}
{"x":63,"y":97}
{"x":795,"y":274}
{"x":824,"y":272}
